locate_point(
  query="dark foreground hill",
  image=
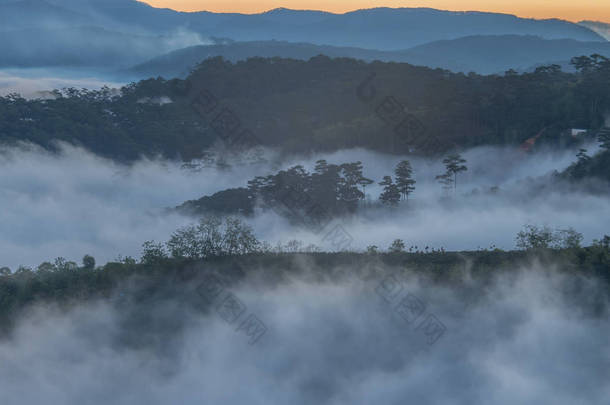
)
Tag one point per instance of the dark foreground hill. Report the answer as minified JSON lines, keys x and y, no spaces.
{"x":151,"y":283}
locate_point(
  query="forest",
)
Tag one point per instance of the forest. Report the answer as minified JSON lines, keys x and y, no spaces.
{"x":318,"y":105}
{"x":230,"y":249}
{"x":340,"y":189}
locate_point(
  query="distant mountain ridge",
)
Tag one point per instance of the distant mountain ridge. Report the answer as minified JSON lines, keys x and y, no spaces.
{"x":600,"y":28}
{"x":382,"y":29}
{"x":481,"y":54}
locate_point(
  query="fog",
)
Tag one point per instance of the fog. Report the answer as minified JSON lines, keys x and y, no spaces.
{"x":38,"y":83}
{"x":527,"y":338}
{"x":73,"y":203}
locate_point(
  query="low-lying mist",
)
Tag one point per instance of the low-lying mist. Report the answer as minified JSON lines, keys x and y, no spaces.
{"x":73,"y":203}
{"x":38,"y":83}
{"x":529,"y":336}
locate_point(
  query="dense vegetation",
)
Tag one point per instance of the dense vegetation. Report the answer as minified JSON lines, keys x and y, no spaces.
{"x":321,"y":104}
{"x":156,"y":278}
{"x":592,"y":167}
{"x":331,"y":190}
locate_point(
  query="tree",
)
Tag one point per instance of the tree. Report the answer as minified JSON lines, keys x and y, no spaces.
{"x":532,"y":237}
{"x":397,"y":246}
{"x":390,"y":194}
{"x":372,"y":249}
{"x":152,"y":253}
{"x":603,"y":243}
{"x":209,"y":232}
{"x":88,"y":262}
{"x":582,"y":156}
{"x":209,"y":238}
{"x":363,"y":182}
{"x":61,"y":264}
{"x":404,"y":178}
{"x":604,"y":139}
{"x":238,"y":238}
{"x":446,"y":181}
{"x":351,"y":177}
{"x":46,"y":267}
{"x":454,"y":165}
{"x":185,"y":243}
{"x":568,"y":239}
{"x":579,"y":169}
{"x":5,"y":271}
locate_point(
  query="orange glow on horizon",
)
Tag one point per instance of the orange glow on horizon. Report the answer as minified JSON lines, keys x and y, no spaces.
{"x":571,"y":10}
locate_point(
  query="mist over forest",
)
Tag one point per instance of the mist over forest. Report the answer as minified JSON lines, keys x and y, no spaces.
{"x":90,"y":205}
{"x":376,"y":207}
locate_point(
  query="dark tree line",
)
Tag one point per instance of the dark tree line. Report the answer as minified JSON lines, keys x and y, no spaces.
{"x":327,"y":191}
{"x":400,"y":187}
{"x":592,"y":167}
{"x":454,"y":164}
{"x":330,"y":190}
{"x":300,"y":106}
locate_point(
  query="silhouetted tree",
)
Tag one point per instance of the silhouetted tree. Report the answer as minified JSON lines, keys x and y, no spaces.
{"x":453,"y":165}
{"x":446,"y":181}
{"x":397,"y":246}
{"x":88,"y":262}
{"x":152,"y":252}
{"x":604,"y":139}
{"x":351,"y":176}
{"x":390,"y":194}
{"x":404,"y":178}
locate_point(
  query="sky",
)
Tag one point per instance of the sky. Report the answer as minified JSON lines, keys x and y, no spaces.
{"x":597,"y":10}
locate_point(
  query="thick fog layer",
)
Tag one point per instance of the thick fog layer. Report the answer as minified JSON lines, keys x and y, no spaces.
{"x":38,"y":83}
{"x":523,"y":339}
{"x":74,"y":203}
{"x":502,"y":190}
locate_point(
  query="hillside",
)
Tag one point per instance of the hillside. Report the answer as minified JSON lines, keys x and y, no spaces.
{"x":480,"y":54}
{"x":320,"y":105}
{"x":497,"y":54}
{"x":58,"y":24}
{"x":603,"y":29}
{"x":157,"y":280}
{"x":84,"y":46}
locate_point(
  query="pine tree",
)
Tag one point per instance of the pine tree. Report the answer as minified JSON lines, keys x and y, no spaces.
{"x":391,"y":193}
{"x":604,"y":138}
{"x":446,"y":181}
{"x":404,"y":178}
{"x":454,"y":165}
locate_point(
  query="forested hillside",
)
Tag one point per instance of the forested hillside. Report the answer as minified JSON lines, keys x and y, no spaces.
{"x":156,"y":278}
{"x":483,"y":54}
{"x":320,"y":105}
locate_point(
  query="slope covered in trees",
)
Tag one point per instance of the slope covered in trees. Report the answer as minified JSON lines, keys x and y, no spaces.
{"x":596,"y":167}
{"x":320,"y":105}
{"x":479,"y":54}
{"x":157,"y":277}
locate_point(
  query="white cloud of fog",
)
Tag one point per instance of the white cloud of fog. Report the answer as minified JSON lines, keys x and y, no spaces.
{"x":74,"y":203}
{"x":37,"y":83}
{"x":520,"y":340}
{"x":475,"y":218}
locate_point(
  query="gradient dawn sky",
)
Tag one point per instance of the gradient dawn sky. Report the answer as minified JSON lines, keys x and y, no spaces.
{"x":574,"y":10}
